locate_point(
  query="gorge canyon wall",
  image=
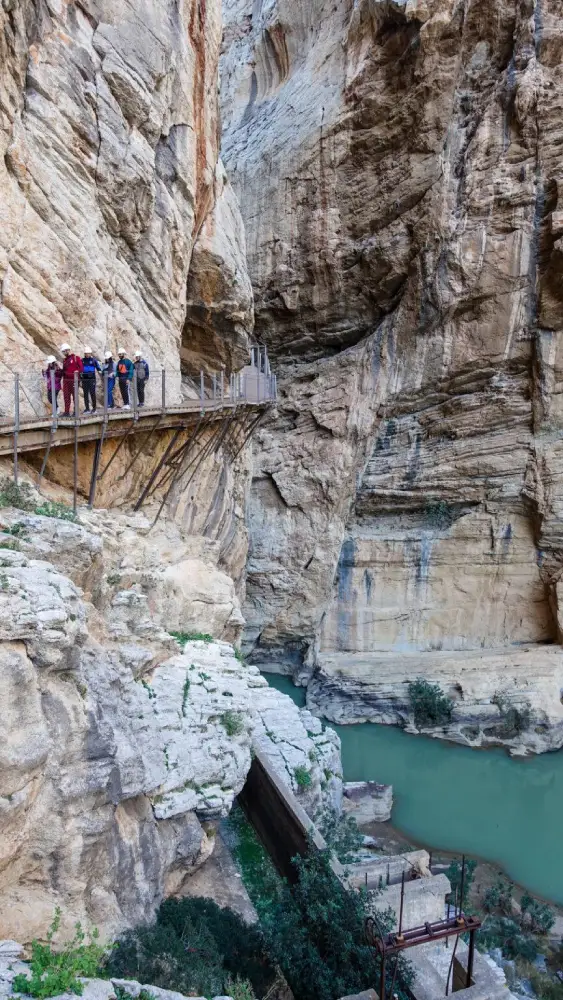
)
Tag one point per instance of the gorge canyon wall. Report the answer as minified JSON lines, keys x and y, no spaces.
{"x":399,"y":170}
{"x":118,"y":226}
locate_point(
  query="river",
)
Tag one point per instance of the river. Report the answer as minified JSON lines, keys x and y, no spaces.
{"x":481,"y":802}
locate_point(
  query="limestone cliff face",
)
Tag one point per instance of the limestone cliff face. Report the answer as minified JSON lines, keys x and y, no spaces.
{"x":112,"y":199}
{"x":121,"y":751}
{"x":399,"y":168}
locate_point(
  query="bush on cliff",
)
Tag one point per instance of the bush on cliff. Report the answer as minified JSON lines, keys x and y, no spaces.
{"x":194,"y":947}
{"x":429,"y":704}
{"x":56,"y":972}
{"x":315,"y":933}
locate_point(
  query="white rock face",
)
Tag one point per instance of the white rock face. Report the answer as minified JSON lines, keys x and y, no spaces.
{"x":108,"y":176}
{"x":116,"y":744}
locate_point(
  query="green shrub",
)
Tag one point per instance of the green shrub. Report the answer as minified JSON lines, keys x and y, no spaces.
{"x":517,"y":935}
{"x":18,"y":530}
{"x":429,"y":704}
{"x":183,"y":637}
{"x":232,"y":722}
{"x":185,"y":694}
{"x":194,"y":947}
{"x":18,"y":495}
{"x":315,"y":933}
{"x":342,"y":836}
{"x":498,"y":898}
{"x":439,"y":514}
{"x":113,"y":579}
{"x":302,"y":776}
{"x":506,"y":933}
{"x":239,"y":656}
{"x":52,"y":972}
{"x":239,"y":989}
{"x":539,"y":917}
{"x":122,"y":994}
{"x":514,"y":719}
{"x":54,"y":508}
{"x":545,"y":987}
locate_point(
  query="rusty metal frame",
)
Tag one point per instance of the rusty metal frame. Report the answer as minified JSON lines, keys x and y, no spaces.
{"x":118,"y":449}
{"x":158,"y":467}
{"x":395,"y":942}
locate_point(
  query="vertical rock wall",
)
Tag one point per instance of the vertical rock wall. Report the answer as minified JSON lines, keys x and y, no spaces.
{"x":399,"y":169}
{"x":109,"y":177}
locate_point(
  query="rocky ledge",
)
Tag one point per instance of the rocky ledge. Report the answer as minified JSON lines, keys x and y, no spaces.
{"x":507,"y":697}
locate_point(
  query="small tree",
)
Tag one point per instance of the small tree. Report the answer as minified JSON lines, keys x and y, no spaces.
{"x":539,"y":917}
{"x":429,"y":704}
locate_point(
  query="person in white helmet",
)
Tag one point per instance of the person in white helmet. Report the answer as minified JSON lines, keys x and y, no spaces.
{"x":72,"y":365}
{"x":108,"y":368}
{"x":90,"y":365}
{"x":125,"y":376}
{"x":52,"y":373}
{"x":141,"y":369}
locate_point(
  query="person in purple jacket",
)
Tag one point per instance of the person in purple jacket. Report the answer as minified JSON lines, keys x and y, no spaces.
{"x":52,"y":374}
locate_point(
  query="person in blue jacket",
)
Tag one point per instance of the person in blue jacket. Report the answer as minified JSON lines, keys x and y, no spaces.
{"x":142,"y":372}
{"x":90,"y":365}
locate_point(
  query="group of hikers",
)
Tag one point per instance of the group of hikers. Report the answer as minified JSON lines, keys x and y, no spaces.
{"x":63,"y":376}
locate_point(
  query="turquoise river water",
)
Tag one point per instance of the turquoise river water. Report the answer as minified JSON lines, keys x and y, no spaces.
{"x":481,"y":802}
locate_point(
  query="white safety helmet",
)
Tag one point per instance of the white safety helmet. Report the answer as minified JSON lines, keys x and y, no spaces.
{"x":51,"y":360}
{"x":65,"y":347}
{"x":122,"y":351}
{"x":88,"y":350}
{"x":108,"y":355}
{"x":137,"y":354}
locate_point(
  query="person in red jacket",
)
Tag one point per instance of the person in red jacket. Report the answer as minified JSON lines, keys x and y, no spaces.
{"x":72,"y":365}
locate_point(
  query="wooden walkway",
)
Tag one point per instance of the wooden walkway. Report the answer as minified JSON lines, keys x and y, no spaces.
{"x":38,"y":434}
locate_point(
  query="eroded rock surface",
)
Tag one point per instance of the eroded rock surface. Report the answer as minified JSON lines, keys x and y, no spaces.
{"x":117,"y":743}
{"x":108,"y":178}
{"x":399,"y":171}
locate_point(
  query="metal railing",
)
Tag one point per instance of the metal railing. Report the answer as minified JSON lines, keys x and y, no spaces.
{"x":30,"y":398}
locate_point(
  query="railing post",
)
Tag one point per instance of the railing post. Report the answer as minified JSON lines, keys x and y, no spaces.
{"x":202,"y":390}
{"x":106,"y":396}
{"x":214,"y":386}
{"x":53,"y":399}
{"x":16,"y":424}
{"x":164,"y":390}
{"x":134,"y":389}
{"x":76,"y":420}
{"x":222,"y":385}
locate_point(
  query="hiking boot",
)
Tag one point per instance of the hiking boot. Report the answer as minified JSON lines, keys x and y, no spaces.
{"x":126,"y":407}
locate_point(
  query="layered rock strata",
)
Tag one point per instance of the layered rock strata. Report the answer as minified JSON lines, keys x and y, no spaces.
{"x":117,"y":222}
{"x":399,"y":173}
{"x":121,"y":750}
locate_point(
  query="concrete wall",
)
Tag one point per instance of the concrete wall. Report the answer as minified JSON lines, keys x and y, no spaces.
{"x":281,"y":823}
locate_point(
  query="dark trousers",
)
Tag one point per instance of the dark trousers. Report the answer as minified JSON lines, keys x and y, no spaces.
{"x":68,"y":394}
{"x":49,"y":394}
{"x":124,"y":390}
{"x":141,"y":391}
{"x":89,"y":390}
